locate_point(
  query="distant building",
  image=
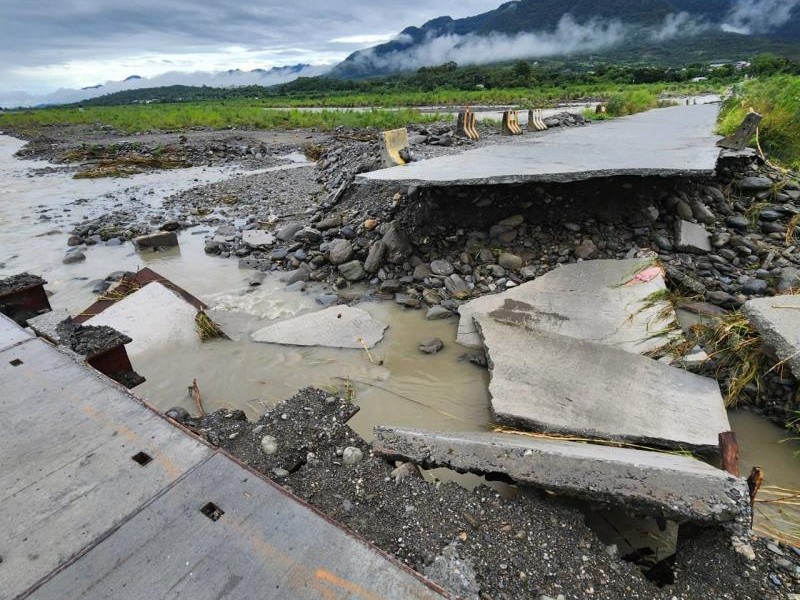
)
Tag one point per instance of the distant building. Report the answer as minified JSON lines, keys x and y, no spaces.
{"x":699,"y":79}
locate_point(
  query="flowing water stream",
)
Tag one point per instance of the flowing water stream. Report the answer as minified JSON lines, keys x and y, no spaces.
{"x":396,"y":385}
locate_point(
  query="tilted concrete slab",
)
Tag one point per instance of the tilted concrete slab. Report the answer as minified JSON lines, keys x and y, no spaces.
{"x":601,"y":301}
{"x":554,"y":383}
{"x":653,"y":483}
{"x":11,"y":334}
{"x":677,"y":141}
{"x":67,"y":476}
{"x":152,"y":316}
{"x":777,"y":319}
{"x":266,"y":545}
{"x":334,"y":327}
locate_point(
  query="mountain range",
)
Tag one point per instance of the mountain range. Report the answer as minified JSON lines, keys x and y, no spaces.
{"x":527,"y":29}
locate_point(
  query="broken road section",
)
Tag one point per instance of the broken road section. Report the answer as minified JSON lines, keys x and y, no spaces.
{"x":653,"y":483}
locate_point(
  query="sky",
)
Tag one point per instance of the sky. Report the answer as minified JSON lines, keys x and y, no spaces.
{"x":50,"y":44}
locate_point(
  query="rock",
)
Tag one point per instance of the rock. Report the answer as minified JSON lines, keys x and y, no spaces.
{"x":329,"y":223}
{"x":421,"y":272}
{"x":352,"y":271}
{"x":442,"y":268}
{"x":693,"y":238}
{"x":454,"y":574}
{"x":162,"y":239}
{"x":662,"y":242}
{"x":770,"y":215}
{"x":257,"y":238}
{"x":438,"y":312}
{"x":340,"y":251}
{"x":171,"y":226}
{"x":702,"y":213}
{"x":586,"y":249}
{"x":528,"y":273}
{"x":74,"y":240}
{"x":286,"y":233}
{"x":256,"y":279}
{"x":100,"y":286}
{"x":789,"y":280}
{"x":269,"y":445}
{"x":397,"y":247}
{"x":509,"y":261}
{"x":370,"y":224}
{"x":375,"y":257}
{"x":719,"y":240}
{"x":723,"y":299}
{"x":755,"y":184}
{"x":278,"y":254}
{"x":755,"y":287}
{"x":738,"y":222}
{"x":457,"y":287}
{"x":178,"y":413}
{"x":431,"y":345}
{"x":73,"y":257}
{"x":307,"y":235}
{"x":683,"y":210}
{"x":352,"y":456}
{"x":334,"y":327}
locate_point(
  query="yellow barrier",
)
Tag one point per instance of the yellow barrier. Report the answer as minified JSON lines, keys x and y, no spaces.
{"x":394,"y":141}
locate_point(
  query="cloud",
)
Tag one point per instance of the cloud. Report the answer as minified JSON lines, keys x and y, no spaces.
{"x":364,"y":39}
{"x":569,"y":37}
{"x":226,"y":79}
{"x":751,"y":17}
{"x":680,"y":24}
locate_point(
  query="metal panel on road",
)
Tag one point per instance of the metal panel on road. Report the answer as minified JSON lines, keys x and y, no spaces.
{"x":67,"y":474}
{"x":263,"y":544}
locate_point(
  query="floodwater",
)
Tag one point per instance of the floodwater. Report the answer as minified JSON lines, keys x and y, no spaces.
{"x":394,"y":384}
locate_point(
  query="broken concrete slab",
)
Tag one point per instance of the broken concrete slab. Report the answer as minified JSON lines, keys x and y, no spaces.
{"x":258,"y":238}
{"x":152,"y":316}
{"x":161,"y":239}
{"x":558,"y":384}
{"x":777,"y":319}
{"x":334,"y":327}
{"x":693,"y":238}
{"x":677,"y":141}
{"x":46,"y":325}
{"x":614,"y":302}
{"x":11,"y":334}
{"x":653,"y":483}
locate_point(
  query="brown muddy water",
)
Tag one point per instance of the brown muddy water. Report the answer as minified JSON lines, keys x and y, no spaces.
{"x":399,"y":386}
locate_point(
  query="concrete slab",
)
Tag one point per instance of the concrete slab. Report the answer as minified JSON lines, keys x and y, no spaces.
{"x":334,"y":327}
{"x":258,"y":238}
{"x":652,"y":483}
{"x":554,"y":383}
{"x":777,"y":319}
{"x":677,"y":141}
{"x":152,"y":316}
{"x":45,"y":325}
{"x":67,"y":476}
{"x":693,"y":238}
{"x":11,"y":334}
{"x":266,"y":545}
{"x":599,"y":300}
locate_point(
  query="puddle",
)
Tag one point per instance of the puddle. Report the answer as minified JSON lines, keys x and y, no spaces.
{"x":407,"y":389}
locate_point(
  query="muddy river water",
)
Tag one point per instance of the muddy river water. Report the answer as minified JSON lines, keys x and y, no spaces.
{"x":399,"y":386}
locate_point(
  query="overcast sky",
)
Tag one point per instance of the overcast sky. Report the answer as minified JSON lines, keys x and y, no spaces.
{"x":51,"y":44}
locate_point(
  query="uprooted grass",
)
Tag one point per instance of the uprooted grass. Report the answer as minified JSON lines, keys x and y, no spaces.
{"x":206,"y":328}
{"x":736,"y":349}
{"x":126,"y":166}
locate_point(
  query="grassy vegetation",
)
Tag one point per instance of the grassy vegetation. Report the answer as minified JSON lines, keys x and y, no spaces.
{"x":264,"y":113}
{"x":777,"y":98}
{"x":217,"y":115}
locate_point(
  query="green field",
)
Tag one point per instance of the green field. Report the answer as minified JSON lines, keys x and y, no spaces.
{"x":267,"y":114}
{"x":778,"y":100}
